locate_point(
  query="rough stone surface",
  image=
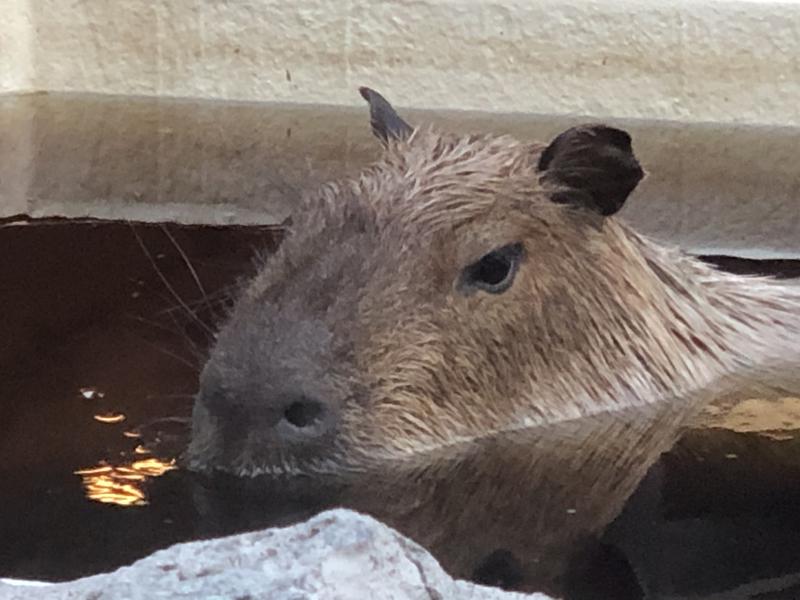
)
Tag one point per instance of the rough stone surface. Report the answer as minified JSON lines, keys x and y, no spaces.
{"x":337,"y":555}
{"x":721,"y":60}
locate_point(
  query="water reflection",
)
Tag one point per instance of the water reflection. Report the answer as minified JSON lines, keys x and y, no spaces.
{"x":122,"y":484}
{"x":706,"y":526}
{"x":90,"y":393}
{"x":110,"y":418}
{"x":700,"y":525}
{"x":70,"y":352}
{"x":517,"y":509}
{"x":584,"y":509}
{"x":112,"y":485}
{"x":778,"y":419}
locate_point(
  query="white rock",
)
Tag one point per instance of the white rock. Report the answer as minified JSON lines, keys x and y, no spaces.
{"x":337,"y":555}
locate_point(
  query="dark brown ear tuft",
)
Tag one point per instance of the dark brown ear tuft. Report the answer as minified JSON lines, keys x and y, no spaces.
{"x":592,"y":166}
{"x":386,"y":123}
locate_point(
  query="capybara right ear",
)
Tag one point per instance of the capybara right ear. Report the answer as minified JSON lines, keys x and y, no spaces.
{"x":591,"y":166}
{"x":386,"y":123}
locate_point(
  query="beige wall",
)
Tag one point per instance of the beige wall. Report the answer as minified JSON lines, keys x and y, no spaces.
{"x":720,"y":61}
{"x":710,"y":188}
{"x":16,"y":47}
{"x":695,"y":60}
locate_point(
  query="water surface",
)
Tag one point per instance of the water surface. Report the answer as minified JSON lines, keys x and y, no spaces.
{"x":106,"y":329}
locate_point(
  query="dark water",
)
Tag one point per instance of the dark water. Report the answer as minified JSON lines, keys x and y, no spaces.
{"x":92,"y":333}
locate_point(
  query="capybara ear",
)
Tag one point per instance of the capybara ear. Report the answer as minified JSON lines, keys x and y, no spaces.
{"x":591,"y":166}
{"x":386,"y":123}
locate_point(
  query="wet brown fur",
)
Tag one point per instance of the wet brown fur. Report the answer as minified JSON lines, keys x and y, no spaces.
{"x":605,"y":345}
{"x":598,"y":319}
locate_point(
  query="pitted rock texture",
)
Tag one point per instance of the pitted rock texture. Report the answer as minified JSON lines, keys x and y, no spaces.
{"x":337,"y":555}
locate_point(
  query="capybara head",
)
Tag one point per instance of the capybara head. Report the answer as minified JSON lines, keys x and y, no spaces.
{"x":462,"y":286}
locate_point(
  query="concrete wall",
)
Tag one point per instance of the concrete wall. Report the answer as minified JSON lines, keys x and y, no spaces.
{"x":16,"y":46}
{"x":724,"y":73}
{"x":688,"y":60}
{"x":711,"y":189}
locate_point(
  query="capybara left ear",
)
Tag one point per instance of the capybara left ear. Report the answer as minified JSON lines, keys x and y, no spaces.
{"x":386,"y":123}
{"x":591,"y":166}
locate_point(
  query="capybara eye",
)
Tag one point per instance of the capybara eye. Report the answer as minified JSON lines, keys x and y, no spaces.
{"x":494,"y":272}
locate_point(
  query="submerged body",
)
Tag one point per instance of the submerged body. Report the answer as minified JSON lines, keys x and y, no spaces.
{"x":465,"y":342}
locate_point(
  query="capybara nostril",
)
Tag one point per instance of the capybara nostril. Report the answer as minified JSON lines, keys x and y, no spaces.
{"x":304,"y":413}
{"x":465,"y":342}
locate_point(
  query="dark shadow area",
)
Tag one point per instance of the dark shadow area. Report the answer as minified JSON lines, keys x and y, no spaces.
{"x":91,"y":329}
{"x":781,"y":268}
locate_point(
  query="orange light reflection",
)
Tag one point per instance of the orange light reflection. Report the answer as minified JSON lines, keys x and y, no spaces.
{"x":122,"y":484}
{"x":110,"y":418}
